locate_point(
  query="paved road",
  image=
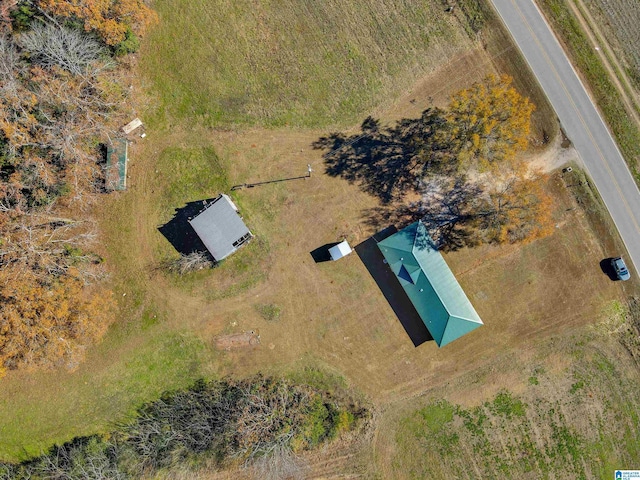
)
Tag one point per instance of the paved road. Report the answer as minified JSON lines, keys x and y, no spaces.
{"x":578,"y":116}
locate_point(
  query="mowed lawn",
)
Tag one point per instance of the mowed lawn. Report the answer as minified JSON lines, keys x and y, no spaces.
{"x":218,"y":63}
{"x":199,"y":68}
{"x":291,"y":62}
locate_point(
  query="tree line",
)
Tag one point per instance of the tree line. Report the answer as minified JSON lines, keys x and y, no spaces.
{"x":62,"y":95}
{"x":259,"y":422}
{"x":458,"y":169}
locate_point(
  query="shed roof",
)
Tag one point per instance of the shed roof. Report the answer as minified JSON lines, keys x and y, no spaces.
{"x":220,"y":227}
{"x":429,"y":283}
{"x":340,"y":250}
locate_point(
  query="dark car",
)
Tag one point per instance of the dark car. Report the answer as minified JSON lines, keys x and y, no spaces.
{"x":620,"y":268}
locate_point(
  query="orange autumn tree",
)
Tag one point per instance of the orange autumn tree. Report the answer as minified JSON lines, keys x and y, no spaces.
{"x":48,"y":322}
{"x":516,"y":209}
{"x":485,"y":129}
{"x":488,"y":123}
{"x":53,"y":301}
{"x":110,"y":19}
{"x":512,"y":208}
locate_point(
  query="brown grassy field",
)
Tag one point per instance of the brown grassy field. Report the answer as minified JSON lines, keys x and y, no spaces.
{"x":620,"y":20}
{"x":332,"y":314}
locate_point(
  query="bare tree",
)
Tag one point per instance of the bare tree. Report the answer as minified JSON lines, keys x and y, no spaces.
{"x":263,"y":425}
{"x":49,"y":246}
{"x":9,"y":63}
{"x":281,"y":464}
{"x":190,"y":263}
{"x":84,"y":458}
{"x":448,"y":207}
{"x":53,"y":45}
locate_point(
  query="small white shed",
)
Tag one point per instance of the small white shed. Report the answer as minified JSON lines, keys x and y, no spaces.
{"x":340,"y":250}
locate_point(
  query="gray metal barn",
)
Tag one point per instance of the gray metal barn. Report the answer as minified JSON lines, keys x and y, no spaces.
{"x":221,"y":228}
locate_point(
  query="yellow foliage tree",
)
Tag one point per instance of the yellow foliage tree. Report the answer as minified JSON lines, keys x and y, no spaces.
{"x":110,"y":19}
{"x":488,"y":123}
{"x":48,"y":324}
{"x":518,"y":209}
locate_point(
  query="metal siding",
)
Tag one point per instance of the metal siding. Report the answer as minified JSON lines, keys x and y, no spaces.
{"x":218,"y":226}
{"x":436,"y":294}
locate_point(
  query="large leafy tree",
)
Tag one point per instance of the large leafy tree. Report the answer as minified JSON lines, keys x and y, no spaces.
{"x":488,"y":123}
{"x":463,"y":161}
{"x":516,"y":209}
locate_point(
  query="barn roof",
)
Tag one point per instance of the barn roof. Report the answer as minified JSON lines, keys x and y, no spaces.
{"x":429,"y":283}
{"x":220,"y":227}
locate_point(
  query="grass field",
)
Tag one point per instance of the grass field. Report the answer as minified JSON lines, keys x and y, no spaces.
{"x":330,"y":316}
{"x":621,"y":18}
{"x":340,"y":61}
{"x":574,"y":418}
{"x":291,"y":63}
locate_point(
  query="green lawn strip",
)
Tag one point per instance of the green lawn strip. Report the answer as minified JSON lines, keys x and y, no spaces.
{"x":627,"y":86}
{"x":624,"y":130}
{"x":90,"y":401}
{"x":191,"y":174}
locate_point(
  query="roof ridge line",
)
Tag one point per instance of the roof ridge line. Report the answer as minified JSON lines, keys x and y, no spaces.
{"x":465,"y":318}
{"x":424,"y":272}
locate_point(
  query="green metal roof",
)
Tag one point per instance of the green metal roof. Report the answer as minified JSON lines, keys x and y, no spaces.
{"x":117,"y":156}
{"x":429,"y":283}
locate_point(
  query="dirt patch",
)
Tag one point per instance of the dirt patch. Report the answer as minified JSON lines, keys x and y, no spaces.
{"x":554,"y":156}
{"x":237,"y":340}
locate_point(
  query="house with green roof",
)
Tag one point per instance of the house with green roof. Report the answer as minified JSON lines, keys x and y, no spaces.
{"x":429,"y":283}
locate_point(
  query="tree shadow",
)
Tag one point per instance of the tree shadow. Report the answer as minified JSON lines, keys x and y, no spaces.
{"x":372,"y":258}
{"x":385,"y":162}
{"x":445,"y":214}
{"x":321,"y":254}
{"x":391,"y":162}
{"x":178,"y":230}
{"x":607,"y":269}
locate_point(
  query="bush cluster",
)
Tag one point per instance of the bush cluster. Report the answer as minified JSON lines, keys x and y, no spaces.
{"x":212,"y":422}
